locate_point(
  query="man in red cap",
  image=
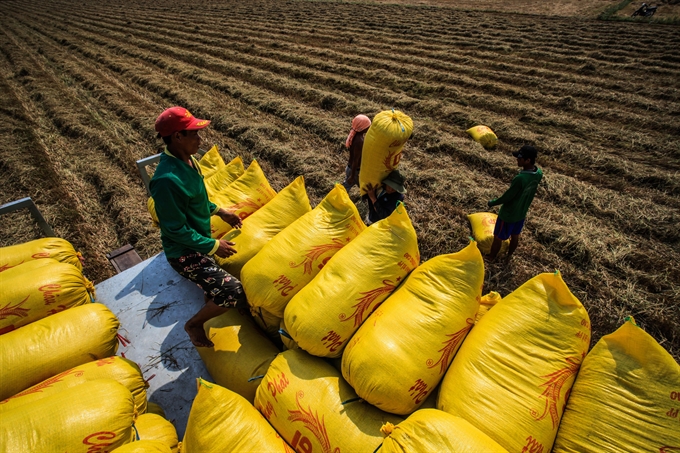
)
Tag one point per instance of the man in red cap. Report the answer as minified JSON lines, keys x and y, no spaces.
{"x":184,"y":211}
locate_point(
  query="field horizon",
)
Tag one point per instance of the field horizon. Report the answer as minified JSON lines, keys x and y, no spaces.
{"x":82,"y":85}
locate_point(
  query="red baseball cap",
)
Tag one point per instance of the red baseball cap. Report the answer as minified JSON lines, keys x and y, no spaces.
{"x":177,"y":119}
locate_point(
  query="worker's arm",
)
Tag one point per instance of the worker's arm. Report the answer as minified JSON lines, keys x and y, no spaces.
{"x":355,"y":150}
{"x":513,"y":191}
{"x":171,"y":206}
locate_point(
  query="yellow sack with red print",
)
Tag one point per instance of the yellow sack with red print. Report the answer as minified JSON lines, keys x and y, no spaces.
{"x":293,"y":258}
{"x":484,"y":136}
{"x":432,"y":430}
{"x":117,"y":368}
{"x":240,"y":353}
{"x":425,"y":320}
{"x":47,"y":347}
{"x":144,"y":446}
{"x":40,"y":288}
{"x":382,"y":146}
{"x":152,"y":427}
{"x":626,"y":397}
{"x":94,"y":416}
{"x":55,"y":248}
{"x":222,"y":421}
{"x":483,"y":224}
{"x":211,"y":162}
{"x":324,"y":315}
{"x":244,"y":196}
{"x":222,"y":178}
{"x":512,"y":375}
{"x":285,"y":208}
{"x":306,"y":400}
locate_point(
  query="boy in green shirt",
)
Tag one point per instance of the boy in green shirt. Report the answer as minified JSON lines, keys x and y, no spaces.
{"x":184,"y":211}
{"x":516,"y":201}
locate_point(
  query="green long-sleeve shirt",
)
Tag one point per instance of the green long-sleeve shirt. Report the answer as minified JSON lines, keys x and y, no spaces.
{"x":182,"y":207}
{"x":517,"y":199}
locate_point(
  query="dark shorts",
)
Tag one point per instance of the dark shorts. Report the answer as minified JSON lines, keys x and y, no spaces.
{"x":225,"y":289}
{"x":503,"y":230}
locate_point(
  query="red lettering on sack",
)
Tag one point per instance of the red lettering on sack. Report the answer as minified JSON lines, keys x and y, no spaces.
{"x":673,"y":413}
{"x":278,"y":385}
{"x":300,"y":443}
{"x":284,"y":285}
{"x":532,"y":446}
{"x":268,"y":410}
{"x":583,"y":336}
{"x":40,"y":255}
{"x":50,"y":292}
{"x":413,"y":261}
{"x":95,"y":441}
{"x":332,"y":341}
{"x":675,"y":396}
{"x":418,"y":391}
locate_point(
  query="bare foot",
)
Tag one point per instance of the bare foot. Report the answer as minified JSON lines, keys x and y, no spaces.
{"x":197,"y":336}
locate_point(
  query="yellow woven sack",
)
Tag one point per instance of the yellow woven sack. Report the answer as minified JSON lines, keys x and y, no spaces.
{"x":121,"y":370}
{"x":266,"y":321}
{"x":294,"y":257}
{"x":286,"y":339}
{"x":314,"y":409}
{"x":399,"y":355}
{"x":285,"y":208}
{"x":94,"y":416}
{"x":154,"y":408}
{"x":626,"y":397}
{"x":512,"y":375}
{"x":484,"y":136}
{"x":40,"y":288}
{"x":431,"y":430}
{"x":143,"y":446}
{"x":382,"y":146}
{"x":223,"y":177}
{"x":324,"y":315}
{"x":222,"y":421}
{"x":55,"y":248}
{"x":156,"y":428}
{"x":240,"y":353}
{"x":211,"y":162}
{"x":486,"y":303}
{"x":47,"y":347}
{"x":483,"y":224}
{"x":244,"y":196}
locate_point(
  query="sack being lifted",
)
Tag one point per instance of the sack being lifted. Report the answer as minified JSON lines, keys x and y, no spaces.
{"x":626,"y":397}
{"x":383,"y":144}
{"x":484,"y":136}
{"x":512,"y":375}
{"x":483,"y":224}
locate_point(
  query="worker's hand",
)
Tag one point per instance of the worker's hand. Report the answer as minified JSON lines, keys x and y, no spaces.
{"x":225,"y":249}
{"x":370,"y":191}
{"x":230,"y":217}
{"x":488,"y":203}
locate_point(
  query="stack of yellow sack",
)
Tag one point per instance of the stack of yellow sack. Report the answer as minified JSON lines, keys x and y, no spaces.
{"x":259,"y":228}
{"x":401,"y":352}
{"x":324,"y":315}
{"x":55,"y":248}
{"x":511,"y":377}
{"x":297,"y":254}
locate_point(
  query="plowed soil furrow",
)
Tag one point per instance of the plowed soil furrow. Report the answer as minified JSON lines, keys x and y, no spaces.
{"x":280,"y":82}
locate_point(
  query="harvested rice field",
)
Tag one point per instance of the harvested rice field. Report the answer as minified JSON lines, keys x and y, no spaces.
{"x":81,"y":84}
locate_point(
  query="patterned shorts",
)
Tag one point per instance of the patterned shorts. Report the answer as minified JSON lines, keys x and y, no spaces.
{"x":225,"y":289}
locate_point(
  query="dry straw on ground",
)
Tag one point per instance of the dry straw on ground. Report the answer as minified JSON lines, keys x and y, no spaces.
{"x":81,"y":85}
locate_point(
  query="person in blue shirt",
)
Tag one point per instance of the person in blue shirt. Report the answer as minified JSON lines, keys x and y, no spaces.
{"x":383,"y":199}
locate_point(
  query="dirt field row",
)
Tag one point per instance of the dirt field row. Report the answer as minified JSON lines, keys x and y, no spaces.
{"x":81,"y":87}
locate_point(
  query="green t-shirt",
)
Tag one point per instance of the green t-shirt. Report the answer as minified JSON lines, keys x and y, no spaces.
{"x":517,"y":199}
{"x":182,"y":207}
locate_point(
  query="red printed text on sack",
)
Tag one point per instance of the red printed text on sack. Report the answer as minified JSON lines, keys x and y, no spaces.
{"x":532,"y":446}
{"x":50,"y":292}
{"x":278,"y":385}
